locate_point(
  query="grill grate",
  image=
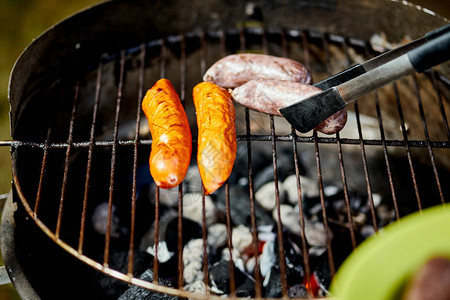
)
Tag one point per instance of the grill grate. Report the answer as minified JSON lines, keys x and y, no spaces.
{"x":197,"y":50}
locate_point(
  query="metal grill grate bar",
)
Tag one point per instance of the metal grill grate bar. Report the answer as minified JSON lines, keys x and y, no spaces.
{"x":427,"y":138}
{"x":66,"y":162}
{"x":407,"y":145}
{"x":89,"y":158}
{"x":113,"y":158}
{"x":135,"y":160}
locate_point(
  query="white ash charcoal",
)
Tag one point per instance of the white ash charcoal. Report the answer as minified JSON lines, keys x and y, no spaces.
{"x":360,"y":219}
{"x":309,"y":188}
{"x":217,"y":235}
{"x":315,"y":233}
{"x":266,"y":195}
{"x":250,"y":265}
{"x":265,"y":233}
{"x":317,"y":251}
{"x":367,"y":231}
{"x":376,"y":199}
{"x":193,"y":261}
{"x":100,"y":220}
{"x":241,"y":238}
{"x":331,"y":190}
{"x":192,"y":208}
{"x":226,"y":254}
{"x":385,"y":214}
{"x":193,"y":271}
{"x":267,"y":258}
{"x":163,"y":252}
{"x":196,"y":287}
{"x":193,"y":251}
{"x":289,"y":217}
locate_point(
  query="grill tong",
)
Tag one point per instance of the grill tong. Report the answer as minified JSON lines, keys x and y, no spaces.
{"x":341,"y":89}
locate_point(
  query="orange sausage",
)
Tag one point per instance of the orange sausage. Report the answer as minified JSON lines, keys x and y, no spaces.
{"x":216,"y":134}
{"x":171,"y":135}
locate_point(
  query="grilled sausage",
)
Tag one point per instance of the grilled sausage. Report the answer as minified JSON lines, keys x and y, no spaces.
{"x":171,"y":136}
{"x":235,"y":70}
{"x":216,"y":134}
{"x":267,"y":96}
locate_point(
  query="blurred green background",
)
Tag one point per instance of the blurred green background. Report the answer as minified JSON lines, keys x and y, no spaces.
{"x":21,"y":21}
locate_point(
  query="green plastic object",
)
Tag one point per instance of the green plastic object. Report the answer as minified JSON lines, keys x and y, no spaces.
{"x":382,"y":265}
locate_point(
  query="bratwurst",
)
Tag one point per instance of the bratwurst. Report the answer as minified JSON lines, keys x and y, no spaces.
{"x":171,"y":136}
{"x":237,"y":69}
{"x":216,"y":134}
{"x":268,"y":96}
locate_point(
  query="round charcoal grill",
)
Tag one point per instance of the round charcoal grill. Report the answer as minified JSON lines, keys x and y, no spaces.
{"x":83,"y":210}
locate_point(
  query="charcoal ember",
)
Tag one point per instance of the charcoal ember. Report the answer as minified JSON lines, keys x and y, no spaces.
{"x":385,"y":215}
{"x":285,"y":167}
{"x":136,"y":292}
{"x":272,"y":283}
{"x":239,"y":175}
{"x":109,"y":287}
{"x":100,"y":220}
{"x":270,"y":258}
{"x":294,"y":266}
{"x":322,"y":273}
{"x":266,"y":195}
{"x":292,"y":245}
{"x":341,"y":245}
{"x":219,"y":274}
{"x":333,"y":197}
{"x":298,"y":291}
{"x":240,"y":211}
{"x":168,"y":233}
{"x":247,"y":288}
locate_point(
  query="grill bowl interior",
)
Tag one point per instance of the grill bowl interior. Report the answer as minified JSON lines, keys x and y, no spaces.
{"x":53,"y":106}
